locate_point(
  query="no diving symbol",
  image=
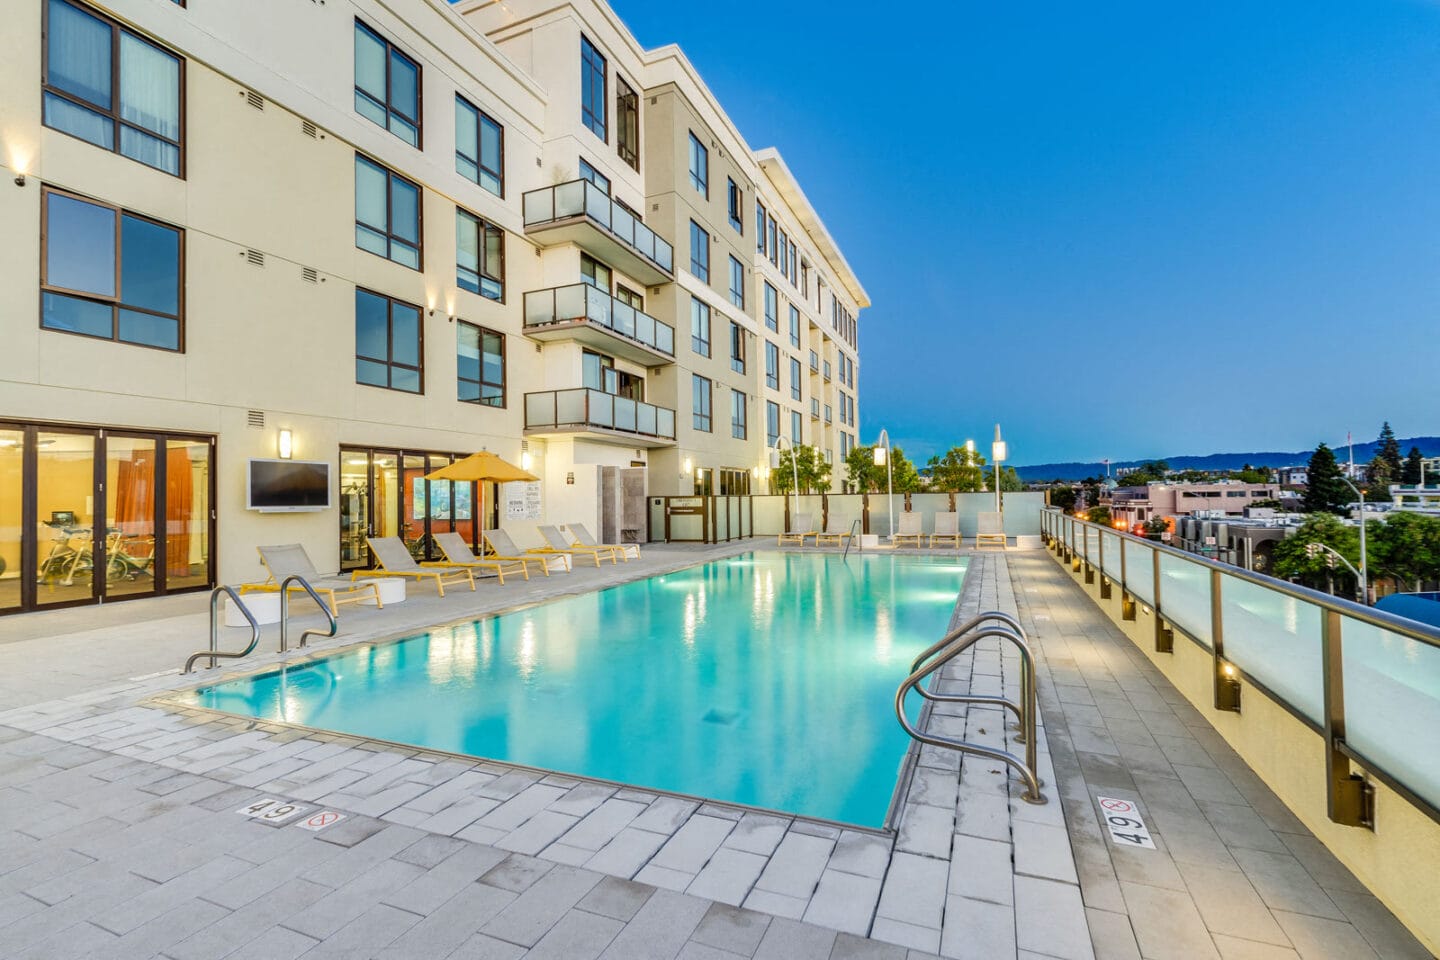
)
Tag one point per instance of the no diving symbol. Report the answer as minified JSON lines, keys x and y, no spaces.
{"x":321,"y":820}
{"x":1119,"y":806}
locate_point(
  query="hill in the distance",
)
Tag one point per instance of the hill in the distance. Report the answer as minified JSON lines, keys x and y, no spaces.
{"x":1364,"y":453}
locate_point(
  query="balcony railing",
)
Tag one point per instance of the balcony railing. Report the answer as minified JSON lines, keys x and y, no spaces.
{"x":581,"y":198}
{"x":582,"y":302}
{"x":582,"y":408}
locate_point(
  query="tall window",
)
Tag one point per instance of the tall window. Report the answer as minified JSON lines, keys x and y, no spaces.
{"x":700,"y":401}
{"x":699,"y":252}
{"x":588,"y":172}
{"x":794,"y":379}
{"x":737,"y":347}
{"x":772,"y":366}
{"x":109,"y":273}
{"x":736,"y":204}
{"x":480,"y":365}
{"x":387,"y":213}
{"x":627,"y":123}
{"x":784,"y":255}
{"x":699,"y":167}
{"x":479,"y":256}
{"x":772,"y":308}
{"x":700,"y":326}
{"x":737,"y":415}
{"x":771,"y":245}
{"x":737,"y":283}
{"x":794,"y":325}
{"x":796,"y":419}
{"x":759,"y":227}
{"x":479,"y":147}
{"x":109,"y":87}
{"x":387,"y":85}
{"x":593,"y":101}
{"x":594,"y":273}
{"x":794,"y":263}
{"x":772,"y":423}
{"x":388,"y":342}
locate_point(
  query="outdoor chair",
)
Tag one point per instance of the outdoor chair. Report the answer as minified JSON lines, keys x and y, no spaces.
{"x":909,"y":531}
{"x":837,"y":531}
{"x":556,"y":543}
{"x":458,"y":554}
{"x":290,"y":559}
{"x":804,"y":526}
{"x":947,"y":529}
{"x":627,"y":551}
{"x":991,"y":531}
{"x":503,"y":548}
{"x":395,"y":561}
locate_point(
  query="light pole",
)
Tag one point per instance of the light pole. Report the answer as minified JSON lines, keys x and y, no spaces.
{"x":997,"y":453}
{"x":794,"y":468}
{"x":1364,"y":567}
{"x":882,"y":458}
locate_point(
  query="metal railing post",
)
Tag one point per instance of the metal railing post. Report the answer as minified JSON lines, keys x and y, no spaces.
{"x":1349,"y":799}
{"x":1227,"y":680}
{"x":324,"y":608}
{"x":215,"y":653}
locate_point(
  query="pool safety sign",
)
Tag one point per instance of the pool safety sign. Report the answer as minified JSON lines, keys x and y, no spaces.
{"x":1127,"y":827}
{"x":321,"y":820}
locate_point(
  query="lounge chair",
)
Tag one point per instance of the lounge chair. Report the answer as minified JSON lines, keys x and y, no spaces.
{"x":556,"y":543}
{"x":503,"y":548}
{"x":909,"y":530}
{"x":947,"y":529}
{"x":991,"y":531}
{"x":395,"y":561}
{"x":837,"y":531}
{"x":804,"y":526}
{"x":627,"y":551}
{"x":458,"y":554}
{"x":290,"y":559}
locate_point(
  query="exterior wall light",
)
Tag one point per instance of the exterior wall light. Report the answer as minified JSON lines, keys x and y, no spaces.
{"x":285,"y":444}
{"x":687,"y":468}
{"x":525,"y":460}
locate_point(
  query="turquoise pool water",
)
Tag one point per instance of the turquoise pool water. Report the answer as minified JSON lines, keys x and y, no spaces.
{"x":764,"y":679}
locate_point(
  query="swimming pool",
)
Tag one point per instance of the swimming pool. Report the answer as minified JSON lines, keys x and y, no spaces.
{"x":764,"y":679}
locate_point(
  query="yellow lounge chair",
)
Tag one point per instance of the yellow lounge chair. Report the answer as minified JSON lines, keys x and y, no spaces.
{"x":909,"y":531}
{"x":503,"y":548}
{"x":991,"y":531}
{"x":558,"y":544}
{"x":837,"y":531}
{"x":627,"y":551}
{"x":290,"y":559}
{"x":395,"y":561}
{"x":458,"y":554}
{"x":947,"y":529}
{"x":804,"y":526}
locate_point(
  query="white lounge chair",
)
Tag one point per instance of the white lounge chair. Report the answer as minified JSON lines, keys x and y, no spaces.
{"x":947,"y":529}
{"x":290,"y":559}
{"x":804,"y":526}
{"x":991,"y":531}
{"x":395,"y":561}
{"x":837,"y":531}
{"x":909,"y":531}
{"x":627,"y":551}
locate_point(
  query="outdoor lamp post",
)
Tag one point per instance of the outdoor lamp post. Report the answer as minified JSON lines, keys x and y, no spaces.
{"x":794,"y":468}
{"x":997,"y":453}
{"x":882,"y":459}
{"x":1364,"y":568}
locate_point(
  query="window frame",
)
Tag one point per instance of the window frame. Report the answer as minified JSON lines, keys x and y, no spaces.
{"x":739,"y":415}
{"x":737,"y":282}
{"x":481,"y":383}
{"x":626,"y":108}
{"x":737,"y":347}
{"x":760,"y":215}
{"x":697,"y":233}
{"x":112,"y":113}
{"x":390,"y":343}
{"x":419,"y":119}
{"x":699,"y":180}
{"x":481,"y":117}
{"x":772,"y":417}
{"x":797,"y":374}
{"x":590,"y":52}
{"x":794,"y":325}
{"x":697,"y":392}
{"x":483,"y":230}
{"x":390,"y":236}
{"x":736,"y":202}
{"x":115,"y":302}
{"x":707,"y":341}
{"x":772,"y":365}
{"x":772,"y":308}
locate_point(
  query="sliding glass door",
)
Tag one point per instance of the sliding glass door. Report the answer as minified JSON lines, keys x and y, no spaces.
{"x":384,"y":493}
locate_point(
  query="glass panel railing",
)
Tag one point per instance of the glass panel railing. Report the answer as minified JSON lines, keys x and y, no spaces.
{"x":570,"y":406}
{"x":598,"y":207}
{"x":540,"y":410}
{"x":622,"y":223}
{"x":665,"y":423}
{"x":598,"y":305}
{"x":624,"y":414}
{"x":1275,"y":638}
{"x":645,"y":418}
{"x":569,"y":199}
{"x":583,"y":406}
{"x":1185,"y":596}
{"x":578,"y":197}
{"x":580,"y":301}
{"x":1110,"y":546}
{"x":622,"y":320}
{"x":1092,"y":546}
{"x":1140,"y":570}
{"x":1392,"y":695}
{"x":602,"y":408}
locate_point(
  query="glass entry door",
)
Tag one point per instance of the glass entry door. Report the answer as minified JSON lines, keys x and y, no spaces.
{"x":69,"y":518}
{"x":12,"y":460}
{"x":384,"y":493}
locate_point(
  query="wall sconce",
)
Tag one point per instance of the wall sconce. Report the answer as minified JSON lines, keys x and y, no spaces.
{"x":285,"y":444}
{"x":19,"y":179}
{"x":525,"y":460}
{"x":1227,"y":687}
{"x":755,"y":472}
{"x":687,"y":468}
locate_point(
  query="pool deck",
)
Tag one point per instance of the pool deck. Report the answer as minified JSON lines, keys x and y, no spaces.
{"x":119,"y":834}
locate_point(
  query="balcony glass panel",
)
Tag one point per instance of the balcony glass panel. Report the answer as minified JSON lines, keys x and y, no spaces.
{"x":1392,"y":696}
{"x":1185,"y":596}
{"x":598,"y":306}
{"x":1092,"y":545}
{"x":568,"y":409}
{"x":1275,"y":639}
{"x":1139,"y":570}
{"x":599,"y":207}
{"x":622,"y":320}
{"x":540,"y":410}
{"x":602,"y":409}
{"x":580,"y":301}
{"x":1111,"y":544}
{"x":570,"y":406}
{"x":624,"y":414}
{"x":645,"y":418}
{"x":665,"y":422}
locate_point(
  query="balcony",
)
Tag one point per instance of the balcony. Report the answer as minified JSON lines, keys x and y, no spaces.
{"x":591,"y":316}
{"x":581,"y":213}
{"x":595,"y":415}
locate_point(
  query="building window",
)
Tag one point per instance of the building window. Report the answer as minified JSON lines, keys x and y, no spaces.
{"x":109,"y":273}
{"x":794,"y":379}
{"x":480,"y":365}
{"x":107,"y":86}
{"x":479,"y":256}
{"x":784,"y":255}
{"x":387,"y":85}
{"x":629,"y":297}
{"x":700,"y":401}
{"x":627,"y":123}
{"x":699,"y":252}
{"x":388,"y":342}
{"x":759,"y":228}
{"x":387,"y":213}
{"x":794,"y":264}
{"x":594,"y":273}
{"x":794,"y":325}
{"x":736,"y":204}
{"x":700,"y":326}
{"x":772,"y":423}
{"x":737,"y":347}
{"x":738,"y":428}
{"x":699,"y":167}
{"x":796,"y":420}
{"x":772,"y":308}
{"x":593,"y":101}
{"x":772,"y":366}
{"x":737,"y":283}
{"x":588,"y":172}
{"x":771,"y":246}
{"x":479,"y":147}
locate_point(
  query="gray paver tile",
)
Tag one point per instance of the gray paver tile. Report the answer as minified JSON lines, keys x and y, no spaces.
{"x":450,"y":924}
{"x":795,"y":868}
{"x":905,"y":934}
{"x":1050,"y":919}
{"x":981,"y":870}
{"x":603,"y":824}
{"x":977,"y":928}
{"x":659,"y":929}
{"x":367,"y":934}
{"x":525,"y":920}
{"x":277,"y":943}
{"x":1318,"y":938}
{"x":615,"y":898}
{"x":577,"y":936}
{"x":1233,"y":948}
{"x":1111,"y":936}
{"x":731,"y":929}
{"x":1167,"y":924}
{"x":516,"y":873}
{"x":728,"y":877}
{"x":789,"y":940}
{"x":1229,"y":904}
{"x":349,"y":901}
{"x":429,"y":890}
{"x":844,"y":901}
{"x":693,"y":844}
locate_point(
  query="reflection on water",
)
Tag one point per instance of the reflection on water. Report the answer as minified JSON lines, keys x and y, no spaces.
{"x":766,"y":680}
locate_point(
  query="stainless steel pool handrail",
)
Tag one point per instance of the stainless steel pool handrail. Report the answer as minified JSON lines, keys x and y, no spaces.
{"x":952,"y":645}
{"x":285,"y":612}
{"x":214,"y":653}
{"x":964,"y":628}
{"x":854,"y":524}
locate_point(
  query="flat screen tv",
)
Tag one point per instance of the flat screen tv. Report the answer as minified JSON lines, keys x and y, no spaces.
{"x":287,"y":486}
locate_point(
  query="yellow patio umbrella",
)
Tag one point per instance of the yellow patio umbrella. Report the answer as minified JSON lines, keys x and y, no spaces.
{"x":479,"y":468}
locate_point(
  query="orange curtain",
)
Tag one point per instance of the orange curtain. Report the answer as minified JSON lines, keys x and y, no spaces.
{"x":135,"y":495}
{"x":179,"y":507}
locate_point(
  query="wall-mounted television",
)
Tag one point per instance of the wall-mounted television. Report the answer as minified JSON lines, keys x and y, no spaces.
{"x":287,"y":486}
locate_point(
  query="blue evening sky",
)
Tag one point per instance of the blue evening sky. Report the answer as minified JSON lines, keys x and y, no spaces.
{"x":1122,"y":230}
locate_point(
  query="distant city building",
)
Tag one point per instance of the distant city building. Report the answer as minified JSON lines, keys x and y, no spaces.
{"x":1132,"y":505}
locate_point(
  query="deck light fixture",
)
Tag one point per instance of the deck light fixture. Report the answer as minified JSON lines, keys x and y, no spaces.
{"x":998,"y":453}
{"x":285,"y":444}
{"x":882,"y":456}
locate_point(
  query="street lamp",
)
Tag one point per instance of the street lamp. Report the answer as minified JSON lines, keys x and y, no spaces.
{"x":794,"y":468}
{"x":882,"y":459}
{"x":1364,"y":568}
{"x":998,"y":452}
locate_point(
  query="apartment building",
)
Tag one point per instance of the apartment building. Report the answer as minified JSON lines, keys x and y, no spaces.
{"x":337,"y":246}
{"x":1132,"y":505}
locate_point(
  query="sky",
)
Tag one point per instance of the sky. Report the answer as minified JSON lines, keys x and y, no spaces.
{"x":1119,"y":230}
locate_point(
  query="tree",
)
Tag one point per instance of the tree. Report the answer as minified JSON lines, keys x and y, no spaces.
{"x":1325,"y":491}
{"x":1249,"y":474}
{"x":960,"y":470}
{"x":810,"y":464}
{"x":1406,"y":548}
{"x":1414,"y":468}
{"x":1269,"y":503}
{"x":1379,"y":473}
{"x":1063,"y":497}
{"x":1292,"y":559}
{"x":1100,"y":515}
{"x":868,"y":477}
{"x":1010,"y":480}
{"x":1389,"y":449}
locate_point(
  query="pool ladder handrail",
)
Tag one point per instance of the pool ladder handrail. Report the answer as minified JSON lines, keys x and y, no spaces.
{"x":854,"y":532}
{"x":214,"y":653}
{"x":946,"y":649}
{"x":285,"y":613}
